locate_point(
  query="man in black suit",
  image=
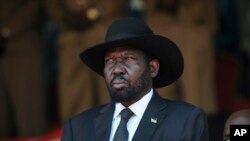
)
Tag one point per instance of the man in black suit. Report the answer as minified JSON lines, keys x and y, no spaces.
{"x":134,"y":61}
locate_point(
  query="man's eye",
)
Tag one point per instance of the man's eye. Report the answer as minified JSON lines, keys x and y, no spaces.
{"x":109,"y":60}
{"x":129,"y":58}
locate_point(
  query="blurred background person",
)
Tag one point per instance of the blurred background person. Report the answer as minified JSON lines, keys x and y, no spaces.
{"x":192,"y":25}
{"x":232,"y":57}
{"x":243,"y":12}
{"x":81,"y":23}
{"x":22,"y":97}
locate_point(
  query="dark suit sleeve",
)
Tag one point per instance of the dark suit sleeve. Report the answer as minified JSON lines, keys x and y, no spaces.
{"x":67,"y":132}
{"x":196,"y":128}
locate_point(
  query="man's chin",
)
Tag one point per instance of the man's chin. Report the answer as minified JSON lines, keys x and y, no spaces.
{"x":119,"y":92}
{"x":119,"y":95}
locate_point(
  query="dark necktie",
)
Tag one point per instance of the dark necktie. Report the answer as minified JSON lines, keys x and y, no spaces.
{"x":121,"y":133}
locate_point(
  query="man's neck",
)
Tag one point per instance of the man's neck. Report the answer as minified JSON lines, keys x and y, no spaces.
{"x":128,"y":103}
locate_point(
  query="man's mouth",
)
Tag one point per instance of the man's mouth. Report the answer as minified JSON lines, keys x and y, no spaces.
{"x":119,"y":84}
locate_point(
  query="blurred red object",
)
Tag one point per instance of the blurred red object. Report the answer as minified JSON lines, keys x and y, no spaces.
{"x":54,"y":135}
{"x":227,"y":80}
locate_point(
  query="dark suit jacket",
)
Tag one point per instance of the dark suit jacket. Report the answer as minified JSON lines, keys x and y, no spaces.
{"x":176,"y":121}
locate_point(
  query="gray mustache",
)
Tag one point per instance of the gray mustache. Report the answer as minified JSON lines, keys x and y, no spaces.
{"x":118,"y":78}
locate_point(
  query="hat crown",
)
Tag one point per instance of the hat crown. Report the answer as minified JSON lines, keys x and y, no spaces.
{"x":127,"y":28}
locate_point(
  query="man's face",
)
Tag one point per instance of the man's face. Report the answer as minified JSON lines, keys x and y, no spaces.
{"x":238,"y":118}
{"x":127,"y":74}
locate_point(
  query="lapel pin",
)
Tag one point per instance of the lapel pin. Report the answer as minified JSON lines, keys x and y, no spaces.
{"x":154,"y":120}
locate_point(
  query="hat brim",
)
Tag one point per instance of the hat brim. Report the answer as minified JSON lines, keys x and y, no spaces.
{"x":168,"y":54}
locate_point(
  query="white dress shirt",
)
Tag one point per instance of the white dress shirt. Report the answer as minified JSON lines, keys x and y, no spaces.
{"x":137,"y":108}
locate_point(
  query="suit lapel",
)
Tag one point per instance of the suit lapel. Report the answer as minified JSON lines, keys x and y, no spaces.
{"x":151,"y":118}
{"x":103,"y":122}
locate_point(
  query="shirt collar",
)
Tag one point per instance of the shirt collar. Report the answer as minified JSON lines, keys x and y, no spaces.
{"x":138,"y":108}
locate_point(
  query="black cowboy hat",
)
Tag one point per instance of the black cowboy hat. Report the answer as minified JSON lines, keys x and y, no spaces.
{"x":135,"y":33}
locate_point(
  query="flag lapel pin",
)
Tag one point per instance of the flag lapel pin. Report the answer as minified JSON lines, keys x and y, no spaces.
{"x":154,"y":120}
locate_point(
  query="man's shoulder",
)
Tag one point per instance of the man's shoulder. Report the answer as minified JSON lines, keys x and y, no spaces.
{"x":176,"y":105}
{"x":87,"y":115}
{"x":81,"y":126}
{"x":180,"y":104}
{"x":183,"y":108}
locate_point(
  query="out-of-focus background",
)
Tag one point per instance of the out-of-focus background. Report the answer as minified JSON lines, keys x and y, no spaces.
{"x":43,"y":82}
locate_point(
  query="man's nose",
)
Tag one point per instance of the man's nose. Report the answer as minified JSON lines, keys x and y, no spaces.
{"x":118,"y":69}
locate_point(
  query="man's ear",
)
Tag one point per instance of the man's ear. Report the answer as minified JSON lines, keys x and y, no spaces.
{"x":154,"y":67}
